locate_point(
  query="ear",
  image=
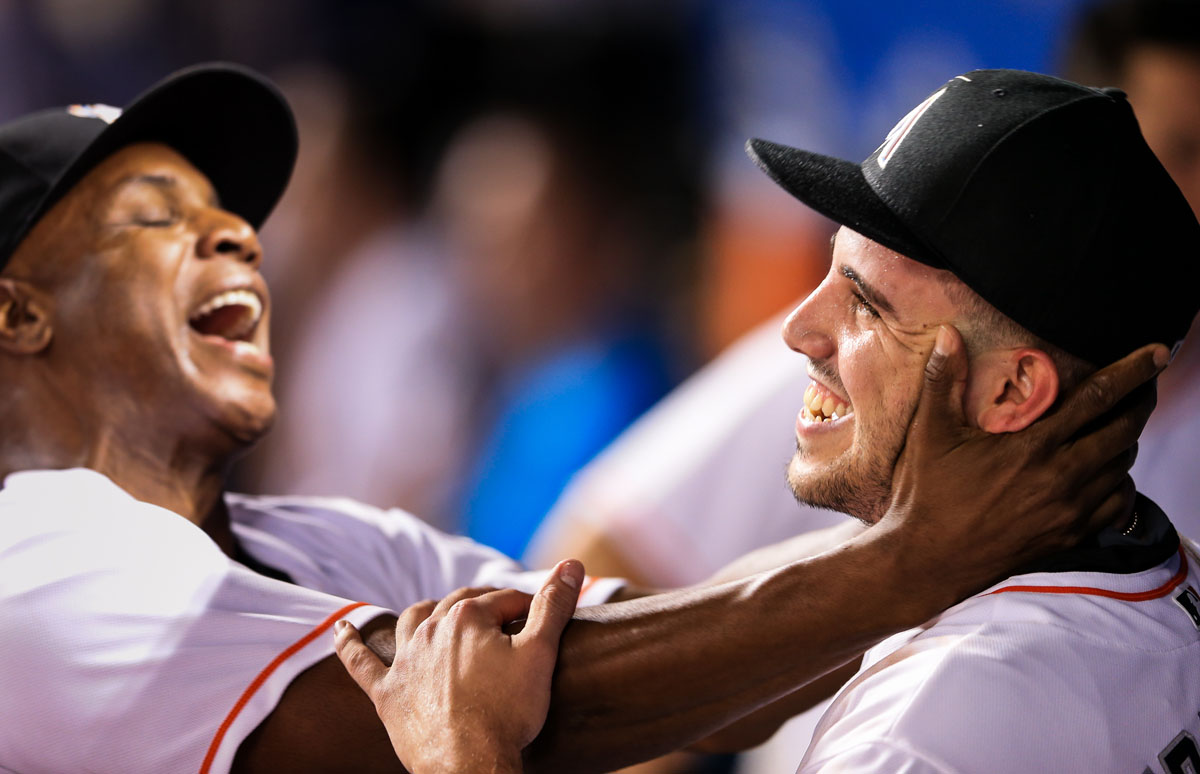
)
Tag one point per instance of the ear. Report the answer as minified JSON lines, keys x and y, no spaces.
{"x":1012,"y":388}
{"x":25,"y":327}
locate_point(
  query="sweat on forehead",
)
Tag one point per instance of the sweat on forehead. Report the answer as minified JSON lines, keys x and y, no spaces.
{"x":983,"y":326}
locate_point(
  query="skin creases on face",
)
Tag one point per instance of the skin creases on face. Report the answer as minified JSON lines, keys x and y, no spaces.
{"x":160,"y":314}
{"x":867,"y":331}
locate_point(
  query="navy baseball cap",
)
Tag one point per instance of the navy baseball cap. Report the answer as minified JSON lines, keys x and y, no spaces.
{"x":227,"y":120}
{"x":1039,"y":194}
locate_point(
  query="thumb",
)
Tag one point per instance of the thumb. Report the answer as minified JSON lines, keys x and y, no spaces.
{"x":554,"y":603}
{"x":941,"y":404}
{"x":360,"y":661}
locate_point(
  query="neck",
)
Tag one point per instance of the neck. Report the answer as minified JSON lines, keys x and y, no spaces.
{"x":172,"y":476}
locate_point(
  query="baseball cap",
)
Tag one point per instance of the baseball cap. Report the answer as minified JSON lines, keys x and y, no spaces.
{"x":227,"y":120}
{"x":1039,"y":194}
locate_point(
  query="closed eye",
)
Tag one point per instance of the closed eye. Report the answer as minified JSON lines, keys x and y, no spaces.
{"x":156,"y":221}
{"x":862,"y":305}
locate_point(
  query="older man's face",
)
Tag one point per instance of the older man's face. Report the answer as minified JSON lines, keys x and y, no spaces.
{"x":867,"y":331}
{"x":159,"y":311}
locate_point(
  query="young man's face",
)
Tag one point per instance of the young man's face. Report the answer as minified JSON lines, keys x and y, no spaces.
{"x":867,"y":330}
{"x":159,"y":311}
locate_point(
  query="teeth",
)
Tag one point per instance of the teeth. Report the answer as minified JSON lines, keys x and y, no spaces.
{"x":244,"y":298}
{"x":824,"y":409}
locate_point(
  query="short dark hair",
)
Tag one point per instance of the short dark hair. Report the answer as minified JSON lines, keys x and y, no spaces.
{"x":1105,"y":33}
{"x":985,"y":327}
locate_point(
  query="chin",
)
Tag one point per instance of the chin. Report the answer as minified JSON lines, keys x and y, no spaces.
{"x":246,"y":417}
{"x":253,"y":425}
{"x":854,"y":485}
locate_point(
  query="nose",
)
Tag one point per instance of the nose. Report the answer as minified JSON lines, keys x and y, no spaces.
{"x":226,"y":234}
{"x":806,"y":333}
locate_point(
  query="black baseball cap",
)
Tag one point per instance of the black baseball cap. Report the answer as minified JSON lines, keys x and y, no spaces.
{"x":227,"y":120}
{"x":1039,"y":194}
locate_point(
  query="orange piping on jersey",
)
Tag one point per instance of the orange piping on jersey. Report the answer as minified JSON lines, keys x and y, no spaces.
{"x":1127,"y":596}
{"x":587,"y":584}
{"x":262,"y":678}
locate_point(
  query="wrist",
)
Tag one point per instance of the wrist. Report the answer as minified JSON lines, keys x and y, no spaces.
{"x":919,"y":580}
{"x":473,"y":754}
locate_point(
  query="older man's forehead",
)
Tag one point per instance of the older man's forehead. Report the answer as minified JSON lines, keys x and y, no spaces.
{"x":157,"y":165}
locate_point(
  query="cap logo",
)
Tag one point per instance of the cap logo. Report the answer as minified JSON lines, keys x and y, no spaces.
{"x":106,"y":113}
{"x":901,"y":130}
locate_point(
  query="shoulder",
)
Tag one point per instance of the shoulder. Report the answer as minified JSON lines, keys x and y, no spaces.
{"x":59,"y":527}
{"x":334,"y":522}
{"x":245,"y":508}
{"x":348,"y":548}
{"x":1033,"y":680}
{"x":876,"y":755}
{"x":946,"y":694}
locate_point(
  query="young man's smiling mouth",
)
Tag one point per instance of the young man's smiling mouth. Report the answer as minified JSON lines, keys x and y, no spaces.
{"x":823,"y":405}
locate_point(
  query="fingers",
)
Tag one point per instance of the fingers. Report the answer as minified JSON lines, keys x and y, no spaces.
{"x":412,"y":617}
{"x":941,"y":403}
{"x":1115,"y":508}
{"x":456,"y":596}
{"x":415,"y":615}
{"x":494,"y":607}
{"x":360,"y":661}
{"x":1115,"y":434}
{"x":500,"y":607}
{"x":554,"y":603}
{"x":1104,"y":389}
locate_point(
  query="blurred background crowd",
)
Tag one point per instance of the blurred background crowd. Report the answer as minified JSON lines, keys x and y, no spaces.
{"x":515,"y":225}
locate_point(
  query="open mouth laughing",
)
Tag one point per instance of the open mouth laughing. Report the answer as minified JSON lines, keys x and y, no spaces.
{"x":232,"y":315}
{"x":822,"y":405}
{"x":229,"y":320}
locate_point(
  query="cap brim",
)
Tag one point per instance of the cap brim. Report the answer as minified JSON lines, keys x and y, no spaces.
{"x":838,"y":190}
{"x":227,"y":120}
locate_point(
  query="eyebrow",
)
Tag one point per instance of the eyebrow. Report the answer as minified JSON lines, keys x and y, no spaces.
{"x":873,"y":296}
{"x":164,"y":182}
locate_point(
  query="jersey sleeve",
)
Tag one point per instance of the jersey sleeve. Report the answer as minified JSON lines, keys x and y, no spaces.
{"x":447,"y":562}
{"x":876,"y":756}
{"x":132,"y":644}
{"x":390,"y":558}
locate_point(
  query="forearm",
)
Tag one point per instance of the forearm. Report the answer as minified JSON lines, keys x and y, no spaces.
{"x":640,"y":678}
{"x":799,"y":547}
{"x":766,"y":558}
{"x":761,"y":725}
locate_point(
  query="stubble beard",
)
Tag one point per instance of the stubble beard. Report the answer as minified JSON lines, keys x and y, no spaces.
{"x":858,"y":482}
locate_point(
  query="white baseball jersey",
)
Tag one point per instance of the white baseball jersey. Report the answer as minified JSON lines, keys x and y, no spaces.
{"x":1069,"y":672}
{"x":131,"y":643}
{"x":698,"y":481}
